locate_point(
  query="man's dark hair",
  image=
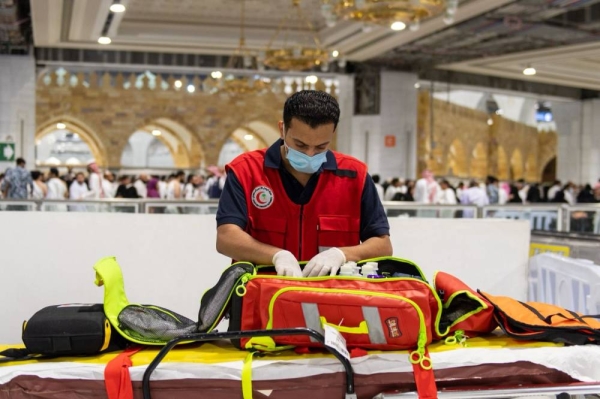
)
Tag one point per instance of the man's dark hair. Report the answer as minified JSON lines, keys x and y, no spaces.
{"x":54,"y":172}
{"x":35,"y":174}
{"x":315,"y":108}
{"x":376,"y":179}
{"x":20,"y":162}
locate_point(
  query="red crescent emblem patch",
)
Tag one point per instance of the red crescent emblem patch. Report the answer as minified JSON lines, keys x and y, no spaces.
{"x":262,"y":197}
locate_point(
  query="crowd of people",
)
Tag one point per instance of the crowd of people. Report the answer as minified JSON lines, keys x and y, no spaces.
{"x":428,"y":190}
{"x":18,"y":183}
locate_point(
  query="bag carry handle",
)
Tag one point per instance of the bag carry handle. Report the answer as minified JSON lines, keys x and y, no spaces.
{"x":362,"y":328}
{"x":216,"y":335}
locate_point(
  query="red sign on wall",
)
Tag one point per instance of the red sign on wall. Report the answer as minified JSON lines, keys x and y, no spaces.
{"x":390,"y":141}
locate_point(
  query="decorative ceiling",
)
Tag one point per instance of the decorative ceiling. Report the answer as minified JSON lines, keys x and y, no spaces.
{"x":560,"y":38}
{"x":258,"y":13}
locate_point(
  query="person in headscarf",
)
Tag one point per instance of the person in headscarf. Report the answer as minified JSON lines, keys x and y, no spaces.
{"x":95,"y":181}
{"x":503,"y":193}
{"x":426,"y":189}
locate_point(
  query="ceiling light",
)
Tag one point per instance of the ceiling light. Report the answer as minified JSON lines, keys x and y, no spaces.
{"x":248,"y":137}
{"x":490,"y":121}
{"x":335,"y":53}
{"x":398,"y":25}
{"x":216,"y":74}
{"x":385,"y":12}
{"x":178,"y":84}
{"x":529,"y":71}
{"x":417,"y":85}
{"x":156,"y":132}
{"x":312,"y":79}
{"x":61,"y":125}
{"x":104,"y":40}
{"x":117,"y":7}
{"x":191,"y":88}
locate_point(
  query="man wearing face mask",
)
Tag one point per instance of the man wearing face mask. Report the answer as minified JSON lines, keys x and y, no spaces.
{"x":297,"y":200}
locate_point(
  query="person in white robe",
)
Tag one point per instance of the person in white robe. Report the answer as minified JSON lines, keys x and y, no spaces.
{"x":57,"y":190}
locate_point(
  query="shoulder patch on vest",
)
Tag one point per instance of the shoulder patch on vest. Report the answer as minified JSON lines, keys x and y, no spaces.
{"x":262,"y":197}
{"x":345,"y":173}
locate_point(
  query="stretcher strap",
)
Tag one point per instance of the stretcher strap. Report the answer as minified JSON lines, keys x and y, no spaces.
{"x":425,"y":381}
{"x":116,"y":375}
{"x":247,"y":376}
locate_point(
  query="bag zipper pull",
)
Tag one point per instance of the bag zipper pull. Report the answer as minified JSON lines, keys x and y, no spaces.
{"x":418,"y":356}
{"x":459,"y":338}
{"x":240,"y":290}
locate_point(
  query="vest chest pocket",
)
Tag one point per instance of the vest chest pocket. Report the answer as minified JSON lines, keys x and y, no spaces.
{"x":337,"y":231}
{"x":268,"y":230}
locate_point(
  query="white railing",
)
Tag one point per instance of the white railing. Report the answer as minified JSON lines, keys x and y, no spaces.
{"x":545,"y":217}
{"x":541,"y":217}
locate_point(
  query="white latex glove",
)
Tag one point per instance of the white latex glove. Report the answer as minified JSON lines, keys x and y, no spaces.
{"x":326,"y":262}
{"x":286,"y":264}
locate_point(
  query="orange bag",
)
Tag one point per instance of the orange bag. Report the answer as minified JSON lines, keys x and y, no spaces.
{"x":544,"y":322}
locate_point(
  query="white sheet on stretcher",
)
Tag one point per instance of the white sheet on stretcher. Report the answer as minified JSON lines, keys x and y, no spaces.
{"x":580,"y":362}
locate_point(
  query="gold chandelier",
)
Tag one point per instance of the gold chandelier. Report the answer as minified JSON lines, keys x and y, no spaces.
{"x":395,"y":13}
{"x":295,"y":57}
{"x":241,"y":59}
{"x":241,"y":85}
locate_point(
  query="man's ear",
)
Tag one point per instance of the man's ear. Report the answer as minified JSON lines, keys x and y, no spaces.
{"x":281,"y":129}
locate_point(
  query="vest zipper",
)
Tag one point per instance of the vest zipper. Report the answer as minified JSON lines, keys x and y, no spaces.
{"x":300,"y":233}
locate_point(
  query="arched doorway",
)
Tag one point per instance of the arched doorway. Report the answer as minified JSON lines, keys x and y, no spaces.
{"x":158,"y":145}
{"x":145,"y":150}
{"x":479,"y":161}
{"x":195,"y":151}
{"x":531,"y":170}
{"x":65,"y":139}
{"x":249,"y":137}
{"x":62,"y":148}
{"x":549,"y":171}
{"x":457,"y":160}
{"x":503,"y":169}
{"x":516,"y":165}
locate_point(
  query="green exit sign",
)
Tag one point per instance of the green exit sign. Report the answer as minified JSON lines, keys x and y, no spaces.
{"x":7,"y":151}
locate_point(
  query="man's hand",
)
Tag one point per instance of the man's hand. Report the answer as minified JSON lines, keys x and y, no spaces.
{"x":327,"y":262}
{"x":286,"y":264}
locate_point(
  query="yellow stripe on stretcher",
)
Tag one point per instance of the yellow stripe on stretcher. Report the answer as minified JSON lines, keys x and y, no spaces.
{"x":213,"y":353}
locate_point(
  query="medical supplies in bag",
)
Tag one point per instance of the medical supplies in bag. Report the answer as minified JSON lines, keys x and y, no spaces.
{"x":371,"y":313}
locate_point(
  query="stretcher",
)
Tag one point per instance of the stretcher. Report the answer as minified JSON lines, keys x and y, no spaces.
{"x":492,"y":366}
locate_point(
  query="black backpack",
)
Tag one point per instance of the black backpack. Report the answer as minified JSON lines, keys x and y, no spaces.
{"x":67,"y":330}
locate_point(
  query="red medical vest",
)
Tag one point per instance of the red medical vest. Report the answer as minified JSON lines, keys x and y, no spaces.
{"x":330,"y":219}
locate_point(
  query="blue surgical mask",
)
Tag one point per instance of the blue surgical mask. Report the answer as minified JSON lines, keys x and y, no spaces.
{"x":304,"y":163}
